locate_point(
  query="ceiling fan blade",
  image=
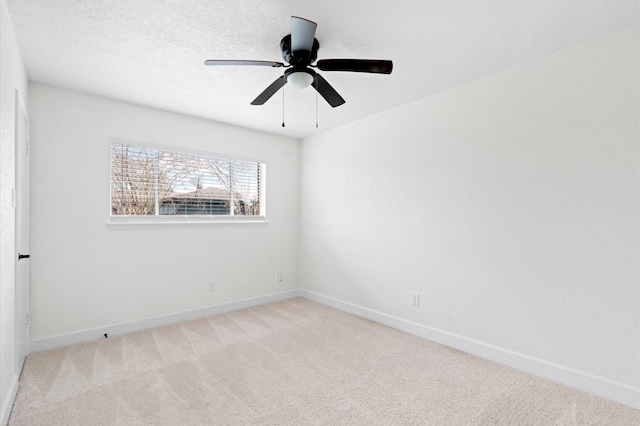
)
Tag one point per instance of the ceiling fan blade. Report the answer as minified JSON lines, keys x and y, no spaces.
{"x":327,"y":91}
{"x":258,"y":63}
{"x":270,"y":91}
{"x":303,"y":33}
{"x":356,"y":65}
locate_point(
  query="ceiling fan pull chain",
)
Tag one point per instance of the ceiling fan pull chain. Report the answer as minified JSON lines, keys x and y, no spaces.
{"x":283,"y":107}
{"x":316,"y":104}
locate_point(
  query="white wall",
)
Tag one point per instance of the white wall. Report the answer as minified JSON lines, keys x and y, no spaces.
{"x":12,"y":77}
{"x":85,"y":275}
{"x":511,"y":204}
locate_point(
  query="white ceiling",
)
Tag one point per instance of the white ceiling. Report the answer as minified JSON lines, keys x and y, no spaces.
{"x":151,"y":52}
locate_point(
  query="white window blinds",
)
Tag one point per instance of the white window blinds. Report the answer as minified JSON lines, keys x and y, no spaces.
{"x":154,"y":182}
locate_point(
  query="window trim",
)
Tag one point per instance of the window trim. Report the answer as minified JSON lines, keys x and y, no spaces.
{"x":186,"y":221}
{"x":181,"y":221}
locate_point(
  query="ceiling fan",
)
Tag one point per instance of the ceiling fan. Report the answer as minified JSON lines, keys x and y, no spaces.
{"x":300,"y":50}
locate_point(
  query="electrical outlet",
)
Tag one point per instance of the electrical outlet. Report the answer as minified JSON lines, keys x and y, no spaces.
{"x":212,"y":286}
{"x":415,"y":299}
{"x":279,"y":277}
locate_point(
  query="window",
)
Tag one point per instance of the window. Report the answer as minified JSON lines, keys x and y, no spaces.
{"x":155,"y":185}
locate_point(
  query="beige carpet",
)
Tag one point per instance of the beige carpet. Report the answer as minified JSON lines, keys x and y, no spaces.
{"x":289,"y":363}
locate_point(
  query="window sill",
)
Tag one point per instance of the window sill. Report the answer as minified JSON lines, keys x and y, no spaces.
{"x":188,"y":221}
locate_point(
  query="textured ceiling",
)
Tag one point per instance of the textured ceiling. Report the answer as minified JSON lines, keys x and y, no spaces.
{"x":151,"y":52}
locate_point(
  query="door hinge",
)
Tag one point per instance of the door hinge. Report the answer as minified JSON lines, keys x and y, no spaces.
{"x":27,"y":320}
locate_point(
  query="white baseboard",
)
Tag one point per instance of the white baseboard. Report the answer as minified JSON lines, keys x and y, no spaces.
{"x":615,"y":391}
{"x":156,"y":321}
{"x":7,"y":404}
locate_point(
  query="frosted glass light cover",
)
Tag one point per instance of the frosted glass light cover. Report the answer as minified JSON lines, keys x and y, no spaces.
{"x":300,"y":80}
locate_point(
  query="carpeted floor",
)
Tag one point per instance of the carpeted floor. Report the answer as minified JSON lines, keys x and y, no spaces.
{"x":294,"y":362}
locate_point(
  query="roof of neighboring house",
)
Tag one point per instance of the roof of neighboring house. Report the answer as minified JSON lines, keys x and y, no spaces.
{"x":212,"y":193}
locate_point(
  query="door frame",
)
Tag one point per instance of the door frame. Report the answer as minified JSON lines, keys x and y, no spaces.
{"x":22,"y":161}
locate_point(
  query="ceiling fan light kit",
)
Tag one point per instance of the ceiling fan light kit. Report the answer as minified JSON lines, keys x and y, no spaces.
{"x":299,"y":51}
{"x":300,"y":79}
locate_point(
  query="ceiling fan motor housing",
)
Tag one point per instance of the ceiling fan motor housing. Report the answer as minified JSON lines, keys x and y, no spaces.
{"x":301,"y":58}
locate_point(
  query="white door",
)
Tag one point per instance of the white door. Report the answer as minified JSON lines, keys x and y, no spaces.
{"x":22,"y":232}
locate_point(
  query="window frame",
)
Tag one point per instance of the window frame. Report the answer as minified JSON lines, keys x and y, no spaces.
{"x":158,"y":221}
